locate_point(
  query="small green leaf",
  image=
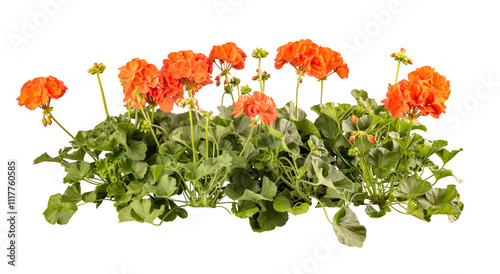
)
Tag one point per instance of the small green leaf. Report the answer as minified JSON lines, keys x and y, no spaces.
{"x":76,"y":172}
{"x":347,"y":228}
{"x":446,"y":156}
{"x":58,"y":211}
{"x":166,"y":187}
{"x":137,"y":168}
{"x":372,"y":212}
{"x":269,"y":218}
{"x":383,"y":161}
{"x":89,"y":197}
{"x":142,"y":211}
{"x":411,"y":188}
{"x":72,"y":194}
{"x":438,"y":197}
{"x":244,"y":209}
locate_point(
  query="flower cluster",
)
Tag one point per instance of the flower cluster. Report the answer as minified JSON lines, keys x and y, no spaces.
{"x":357,"y":133}
{"x":192,"y":70}
{"x":143,"y":82}
{"x":314,"y":60}
{"x":39,"y":91}
{"x":258,"y":104}
{"x":422,"y":94}
{"x":229,"y":54}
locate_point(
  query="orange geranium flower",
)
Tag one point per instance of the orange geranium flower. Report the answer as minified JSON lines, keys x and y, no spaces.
{"x":397,"y":99}
{"x":229,"y":53}
{"x":192,"y":70}
{"x":40,"y":90}
{"x":325,"y":62}
{"x":315,"y":61}
{"x":140,"y":75}
{"x":296,"y":53}
{"x":426,"y":91}
{"x":258,"y":104}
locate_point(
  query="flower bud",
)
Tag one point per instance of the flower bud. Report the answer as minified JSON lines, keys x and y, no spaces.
{"x":352,"y":138}
{"x":354,"y":119}
{"x":254,"y":78}
{"x":371,"y":138}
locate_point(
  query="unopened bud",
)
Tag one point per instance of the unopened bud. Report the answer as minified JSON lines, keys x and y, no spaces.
{"x":354,"y":119}
{"x":371,"y":138}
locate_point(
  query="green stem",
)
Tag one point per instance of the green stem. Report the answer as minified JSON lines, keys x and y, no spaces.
{"x":161,"y":129}
{"x":102,"y":93}
{"x":260,"y":78}
{"x":324,"y":210}
{"x":321,"y":98}
{"x":227,"y":81}
{"x":150,"y":127}
{"x":206,"y":136}
{"x":192,"y":135}
{"x":248,"y":140}
{"x":128,"y":107}
{"x":222,"y":100}
{"x":153,"y":114}
{"x":397,"y":72}
{"x":297,"y":96}
{"x":55,"y":120}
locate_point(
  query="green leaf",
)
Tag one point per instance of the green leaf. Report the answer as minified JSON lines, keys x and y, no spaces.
{"x":76,"y":172}
{"x":288,"y":112}
{"x":317,"y":146}
{"x":166,"y":187}
{"x":137,"y":168}
{"x":267,"y":141}
{"x":416,"y":211}
{"x":347,"y":228}
{"x":446,"y":156}
{"x":89,"y":197}
{"x":327,"y":127}
{"x":306,"y":128}
{"x":269,"y":218}
{"x":195,"y":172}
{"x":244,"y":209}
{"x":383,"y":161}
{"x":266,"y":193}
{"x":330,"y":177}
{"x":438,"y":197}
{"x":359,"y":93}
{"x":219,"y":133}
{"x":72,"y":194}
{"x":142,"y":211}
{"x":373,"y":213}
{"x":136,"y":150}
{"x":58,"y":211}
{"x":411,"y":188}
{"x":239,"y":183}
{"x":283,"y":203}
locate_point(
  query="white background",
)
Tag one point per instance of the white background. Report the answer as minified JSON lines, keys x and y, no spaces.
{"x":64,"y":38}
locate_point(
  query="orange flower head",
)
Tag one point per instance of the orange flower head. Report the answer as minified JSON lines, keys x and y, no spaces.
{"x":296,"y":53}
{"x":40,"y":90}
{"x":258,"y":104}
{"x":139,"y":75}
{"x":229,"y":53}
{"x":425,"y":90}
{"x":192,"y":70}
{"x":397,"y":99}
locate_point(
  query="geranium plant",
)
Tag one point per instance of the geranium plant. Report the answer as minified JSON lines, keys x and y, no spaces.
{"x":254,"y":160}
